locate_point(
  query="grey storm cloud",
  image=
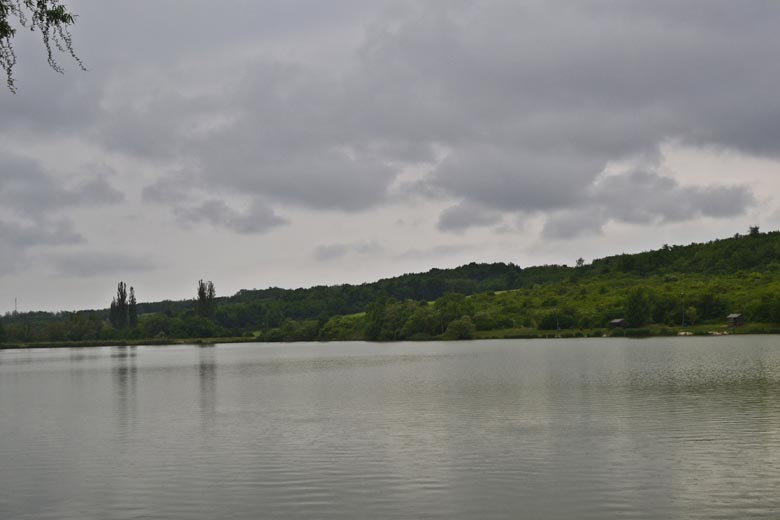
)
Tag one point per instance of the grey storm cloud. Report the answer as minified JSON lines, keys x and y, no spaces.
{"x":32,"y":201}
{"x":465,"y":215}
{"x":531,"y":100}
{"x":85,"y":264}
{"x":19,"y":237}
{"x":516,"y":179}
{"x":16,"y":240}
{"x":436,"y":252}
{"x":643,"y":197}
{"x":569,"y":224}
{"x":329,"y":252}
{"x":161,"y":192}
{"x":29,"y":190}
{"x":259,"y":218}
{"x":515,"y":107}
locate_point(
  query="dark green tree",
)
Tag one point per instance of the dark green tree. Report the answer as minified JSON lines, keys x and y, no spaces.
{"x":565,"y":318}
{"x":375,"y":315}
{"x":423,"y":321}
{"x":118,"y":313}
{"x":200,"y":301}
{"x":132,"y":309}
{"x":211,"y":300}
{"x":638,"y":308}
{"x":155,"y":325}
{"x":50,"y":17}
{"x":396,"y":315}
{"x":112,"y":312}
{"x":2,"y":333}
{"x":205,"y":303}
{"x":691,"y":315}
{"x":450,"y":307}
{"x":461,"y":329}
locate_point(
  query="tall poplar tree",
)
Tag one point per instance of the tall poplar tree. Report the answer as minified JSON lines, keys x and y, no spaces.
{"x":132,"y":310}
{"x":112,"y":313}
{"x":211,"y":302}
{"x":200,"y":301}
{"x":205,"y":303}
{"x":119,"y":312}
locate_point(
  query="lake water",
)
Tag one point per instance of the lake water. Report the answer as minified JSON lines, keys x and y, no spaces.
{"x":657,"y":428}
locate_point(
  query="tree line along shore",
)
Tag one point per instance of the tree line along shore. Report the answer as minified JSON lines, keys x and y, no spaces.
{"x":671,"y":290}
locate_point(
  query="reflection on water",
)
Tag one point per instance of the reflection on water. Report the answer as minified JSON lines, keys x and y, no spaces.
{"x":207,"y":382}
{"x":662,"y":428}
{"x":125,"y":377}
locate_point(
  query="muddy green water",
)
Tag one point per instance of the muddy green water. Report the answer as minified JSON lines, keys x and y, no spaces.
{"x":658,"y":428}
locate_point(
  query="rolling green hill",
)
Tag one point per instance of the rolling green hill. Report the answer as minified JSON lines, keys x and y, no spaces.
{"x":653,"y":290}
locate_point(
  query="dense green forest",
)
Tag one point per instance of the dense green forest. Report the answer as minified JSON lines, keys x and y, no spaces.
{"x":657,"y":291}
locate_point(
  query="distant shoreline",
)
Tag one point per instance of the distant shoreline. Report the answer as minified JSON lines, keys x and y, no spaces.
{"x":758,"y":329}
{"x":123,"y":343}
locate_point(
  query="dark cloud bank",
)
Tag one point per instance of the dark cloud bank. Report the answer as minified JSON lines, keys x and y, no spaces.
{"x":526,"y":102}
{"x":513,"y":109}
{"x":32,"y":201}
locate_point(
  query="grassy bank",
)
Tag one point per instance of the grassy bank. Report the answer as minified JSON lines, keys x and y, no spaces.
{"x":507,"y":333}
{"x":125,"y":343}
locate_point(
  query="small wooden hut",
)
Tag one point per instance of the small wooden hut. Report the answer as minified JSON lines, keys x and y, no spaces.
{"x":735,"y":319}
{"x":618,"y":323}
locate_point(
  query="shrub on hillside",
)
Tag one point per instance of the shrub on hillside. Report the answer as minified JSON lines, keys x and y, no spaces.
{"x":461,"y":329}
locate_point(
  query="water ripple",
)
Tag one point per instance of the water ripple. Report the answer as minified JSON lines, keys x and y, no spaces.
{"x":504,"y":429}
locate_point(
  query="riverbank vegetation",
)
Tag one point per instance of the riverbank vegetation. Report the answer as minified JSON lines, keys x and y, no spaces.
{"x":662,"y":292}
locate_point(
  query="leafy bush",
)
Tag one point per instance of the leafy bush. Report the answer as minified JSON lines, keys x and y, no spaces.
{"x":461,"y":329}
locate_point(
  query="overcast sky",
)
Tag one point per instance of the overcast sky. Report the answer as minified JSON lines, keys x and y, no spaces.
{"x":294,"y":143}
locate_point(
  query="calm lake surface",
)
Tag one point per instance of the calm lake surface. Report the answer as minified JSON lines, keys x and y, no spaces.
{"x":658,"y":428}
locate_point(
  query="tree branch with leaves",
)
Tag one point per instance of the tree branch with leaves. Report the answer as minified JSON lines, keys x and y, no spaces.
{"x":50,"y":17}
